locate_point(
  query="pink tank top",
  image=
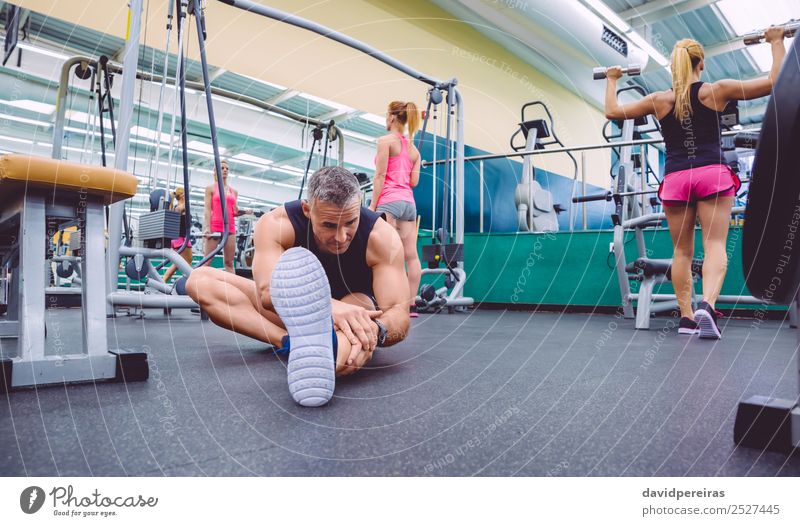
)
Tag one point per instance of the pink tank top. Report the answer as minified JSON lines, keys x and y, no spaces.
{"x":216,"y":211}
{"x":397,"y":184}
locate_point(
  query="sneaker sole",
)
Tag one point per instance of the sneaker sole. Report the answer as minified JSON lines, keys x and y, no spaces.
{"x":708,"y":329}
{"x":301,"y":295}
{"x":688,"y":332}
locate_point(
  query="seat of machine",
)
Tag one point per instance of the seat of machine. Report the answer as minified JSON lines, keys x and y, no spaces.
{"x":649,"y":267}
{"x":654,"y":267}
{"x":50,"y":174}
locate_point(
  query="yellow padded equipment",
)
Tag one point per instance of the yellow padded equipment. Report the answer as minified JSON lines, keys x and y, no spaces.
{"x":65,"y":177}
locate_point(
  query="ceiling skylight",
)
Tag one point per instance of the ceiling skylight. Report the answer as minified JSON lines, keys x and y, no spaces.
{"x":744,"y":19}
{"x":251,"y":159}
{"x":30,"y":105}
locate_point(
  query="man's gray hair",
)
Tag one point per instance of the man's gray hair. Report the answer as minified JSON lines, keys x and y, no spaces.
{"x":333,"y":185}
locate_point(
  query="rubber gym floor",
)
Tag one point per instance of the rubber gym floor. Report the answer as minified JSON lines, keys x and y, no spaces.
{"x":488,"y":392}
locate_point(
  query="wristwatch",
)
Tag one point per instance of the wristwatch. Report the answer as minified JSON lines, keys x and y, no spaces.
{"x":381,"y":332}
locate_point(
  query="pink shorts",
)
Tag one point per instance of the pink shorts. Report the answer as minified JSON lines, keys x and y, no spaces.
{"x":176,"y":243}
{"x":696,"y":184}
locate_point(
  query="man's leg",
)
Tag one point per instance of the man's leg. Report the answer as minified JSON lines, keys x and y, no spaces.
{"x":232,"y":302}
{"x":345,"y":347}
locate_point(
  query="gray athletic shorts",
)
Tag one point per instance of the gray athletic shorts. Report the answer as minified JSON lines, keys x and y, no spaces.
{"x":400,"y":210}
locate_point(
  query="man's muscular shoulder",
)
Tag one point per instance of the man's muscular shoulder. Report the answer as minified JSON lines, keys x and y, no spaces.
{"x":276,"y":226}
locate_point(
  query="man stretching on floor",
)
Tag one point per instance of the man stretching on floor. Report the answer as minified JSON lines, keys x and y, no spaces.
{"x":328,"y":286}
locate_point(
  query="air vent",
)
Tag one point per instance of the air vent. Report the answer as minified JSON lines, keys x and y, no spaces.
{"x":615,"y":41}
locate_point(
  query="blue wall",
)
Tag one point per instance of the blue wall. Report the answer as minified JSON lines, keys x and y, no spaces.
{"x":501,"y":177}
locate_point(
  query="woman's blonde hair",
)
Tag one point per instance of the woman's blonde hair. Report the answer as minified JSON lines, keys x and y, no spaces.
{"x":686,"y":55}
{"x":179,"y":193}
{"x":406,"y":113}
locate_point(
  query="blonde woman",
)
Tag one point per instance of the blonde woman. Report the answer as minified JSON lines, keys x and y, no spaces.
{"x":179,"y":206}
{"x":697,"y":182}
{"x":396,"y":174}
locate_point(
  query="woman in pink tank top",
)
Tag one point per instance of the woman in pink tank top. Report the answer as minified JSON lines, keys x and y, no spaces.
{"x":396,"y":174}
{"x":213,"y":223}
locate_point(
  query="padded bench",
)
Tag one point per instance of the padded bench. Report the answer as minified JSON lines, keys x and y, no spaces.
{"x":35,"y":192}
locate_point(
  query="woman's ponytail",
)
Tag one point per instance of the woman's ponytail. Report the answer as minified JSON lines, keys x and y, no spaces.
{"x":686,"y":55}
{"x":412,"y":119}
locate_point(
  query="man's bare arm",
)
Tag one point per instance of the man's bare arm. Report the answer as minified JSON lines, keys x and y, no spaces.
{"x":389,"y":280}
{"x":273,"y":235}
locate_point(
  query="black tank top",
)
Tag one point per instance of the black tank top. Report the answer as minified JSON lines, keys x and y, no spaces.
{"x":346,"y":272}
{"x":694,"y":141}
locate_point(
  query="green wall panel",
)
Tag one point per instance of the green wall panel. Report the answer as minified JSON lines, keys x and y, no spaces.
{"x":566,"y":268}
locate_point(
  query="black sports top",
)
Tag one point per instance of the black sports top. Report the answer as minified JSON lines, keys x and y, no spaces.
{"x":347,"y":272}
{"x":694,"y":141}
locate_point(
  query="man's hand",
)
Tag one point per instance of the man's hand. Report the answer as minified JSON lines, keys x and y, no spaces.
{"x":356,"y":324}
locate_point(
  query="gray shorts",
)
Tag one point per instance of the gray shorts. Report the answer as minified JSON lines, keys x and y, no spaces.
{"x":400,"y":210}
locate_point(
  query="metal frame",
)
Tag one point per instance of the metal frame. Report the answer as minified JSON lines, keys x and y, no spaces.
{"x":631,"y":213}
{"x":646,"y":301}
{"x":454,"y":100}
{"x":26,"y":314}
{"x":527,"y":219}
{"x":331,"y":34}
{"x":625,"y":167}
{"x":528,"y":176}
{"x":130,"y":63}
{"x":63,"y":88}
{"x":624,"y":142}
{"x":115,"y":251}
{"x":599,"y":146}
{"x":155,"y":282}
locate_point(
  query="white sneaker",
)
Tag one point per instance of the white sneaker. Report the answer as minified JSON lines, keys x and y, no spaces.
{"x":301,"y":295}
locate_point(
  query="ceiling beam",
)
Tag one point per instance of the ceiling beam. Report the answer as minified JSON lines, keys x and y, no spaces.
{"x":291,"y":160}
{"x":213,"y":75}
{"x":283,"y":96}
{"x":721,"y":48}
{"x":339,"y":115}
{"x":217,"y":73}
{"x":254,"y":172}
{"x":274,"y":176}
{"x":658,"y":10}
